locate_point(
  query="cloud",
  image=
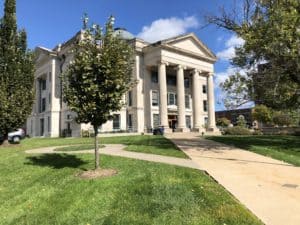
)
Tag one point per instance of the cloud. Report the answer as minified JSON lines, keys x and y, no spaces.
{"x":169,"y":27}
{"x":229,"y":52}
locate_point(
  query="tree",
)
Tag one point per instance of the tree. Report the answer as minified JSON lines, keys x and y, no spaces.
{"x":16,"y":72}
{"x":98,"y":77}
{"x":241,"y":122}
{"x":262,"y":114}
{"x":223,"y":122}
{"x":271,"y":52}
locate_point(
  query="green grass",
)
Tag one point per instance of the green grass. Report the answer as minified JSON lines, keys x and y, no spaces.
{"x":42,"y":189}
{"x":284,"y":148}
{"x":76,"y":148}
{"x":147,"y":144}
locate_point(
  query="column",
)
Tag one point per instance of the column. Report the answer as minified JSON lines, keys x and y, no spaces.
{"x":211,"y":102}
{"x":196,"y":101}
{"x":180,"y":99}
{"x":162,"y":81}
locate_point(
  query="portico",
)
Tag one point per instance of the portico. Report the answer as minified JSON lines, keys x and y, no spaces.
{"x":194,"y":75}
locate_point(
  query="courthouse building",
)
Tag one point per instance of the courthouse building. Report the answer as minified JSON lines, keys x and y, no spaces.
{"x":175,"y":89}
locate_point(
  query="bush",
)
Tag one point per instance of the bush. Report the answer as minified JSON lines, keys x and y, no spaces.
{"x":257,"y":132}
{"x":223,"y":122}
{"x":237,"y":131}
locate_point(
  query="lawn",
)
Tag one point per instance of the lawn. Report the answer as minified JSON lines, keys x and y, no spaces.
{"x":285,"y":148}
{"x":43,"y":189}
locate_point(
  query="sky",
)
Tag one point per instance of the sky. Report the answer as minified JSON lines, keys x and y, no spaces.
{"x":50,"y":22}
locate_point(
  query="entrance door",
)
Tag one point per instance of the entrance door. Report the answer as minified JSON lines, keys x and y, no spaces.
{"x":42,"y":127}
{"x":172,"y":122}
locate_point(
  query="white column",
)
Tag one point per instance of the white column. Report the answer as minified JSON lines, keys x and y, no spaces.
{"x":196,"y":101}
{"x":162,"y":81}
{"x":180,"y":98}
{"x":211,"y":102}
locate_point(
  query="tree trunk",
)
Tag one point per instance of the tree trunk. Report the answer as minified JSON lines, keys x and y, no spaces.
{"x":97,"y":157}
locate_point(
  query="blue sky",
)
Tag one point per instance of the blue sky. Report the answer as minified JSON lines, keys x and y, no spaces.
{"x":50,"y":22}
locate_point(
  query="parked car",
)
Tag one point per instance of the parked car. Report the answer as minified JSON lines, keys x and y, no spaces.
{"x":16,"y":135}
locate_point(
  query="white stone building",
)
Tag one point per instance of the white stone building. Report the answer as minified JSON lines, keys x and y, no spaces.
{"x":175,"y":89}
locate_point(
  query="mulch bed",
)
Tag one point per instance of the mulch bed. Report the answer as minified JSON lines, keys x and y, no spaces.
{"x":95,"y":174}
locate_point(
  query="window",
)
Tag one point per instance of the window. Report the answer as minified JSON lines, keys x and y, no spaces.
{"x":130,"y":98}
{"x":43,"y":84}
{"x":129,"y":121}
{"x":205,"y":106}
{"x":154,"y":77}
{"x":205,"y":121}
{"x":187,"y":102}
{"x":49,"y":98}
{"x":49,"y":124}
{"x":186,"y":82}
{"x":204,"y":90}
{"x":116,"y":122}
{"x":155,"y":97}
{"x":188,"y":121}
{"x":171,"y":80}
{"x":155,"y":120}
{"x":172,"y":98}
{"x":43,"y":105}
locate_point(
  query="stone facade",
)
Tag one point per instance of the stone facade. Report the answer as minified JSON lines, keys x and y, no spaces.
{"x":174,"y":89}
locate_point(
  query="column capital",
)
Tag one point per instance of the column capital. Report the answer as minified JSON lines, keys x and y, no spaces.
{"x":210,"y":74}
{"x":162,"y":62}
{"x":196,"y":71}
{"x":178,"y":67}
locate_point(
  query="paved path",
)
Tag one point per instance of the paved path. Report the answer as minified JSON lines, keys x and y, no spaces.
{"x":117,"y":150}
{"x":269,"y":188}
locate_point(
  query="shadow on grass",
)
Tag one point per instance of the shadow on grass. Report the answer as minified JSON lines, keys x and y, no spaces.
{"x":247,"y":142}
{"x":56,"y":161}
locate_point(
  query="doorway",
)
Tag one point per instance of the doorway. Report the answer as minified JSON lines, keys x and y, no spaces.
{"x":172,"y":119}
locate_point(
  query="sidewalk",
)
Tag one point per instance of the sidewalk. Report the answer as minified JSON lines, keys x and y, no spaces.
{"x":269,"y":188}
{"x":117,"y":150}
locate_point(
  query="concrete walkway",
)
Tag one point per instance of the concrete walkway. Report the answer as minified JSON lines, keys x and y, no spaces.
{"x":269,"y":188}
{"x":118,"y":150}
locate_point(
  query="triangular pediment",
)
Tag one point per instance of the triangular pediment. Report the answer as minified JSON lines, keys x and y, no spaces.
{"x":190,"y":43}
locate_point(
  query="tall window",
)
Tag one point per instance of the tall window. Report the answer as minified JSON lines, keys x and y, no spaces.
{"x":204,"y":90}
{"x":205,"y":106}
{"x":154,"y":77}
{"x":116,"y":122}
{"x":43,"y":84}
{"x":129,"y":121}
{"x":188,"y":121}
{"x":187,"y":102}
{"x":172,"y":98}
{"x":186,"y":82}
{"x":155,"y":120}
{"x":155,"y":97}
{"x":43,"y":105}
{"x":49,"y":124}
{"x":130,"y":98}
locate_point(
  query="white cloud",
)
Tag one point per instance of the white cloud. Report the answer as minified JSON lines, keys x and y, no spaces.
{"x":229,"y":52}
{"x":169,"y":27}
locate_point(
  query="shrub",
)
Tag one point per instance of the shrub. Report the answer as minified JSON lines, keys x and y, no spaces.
{"x":241,"y":122}
{"x":257,"y":132}
{"x":237,"y":131}
{"x":223,"y":122}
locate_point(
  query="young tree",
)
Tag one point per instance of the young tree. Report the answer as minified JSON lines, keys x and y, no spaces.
{"x":98,"y":77}
{"x":16,"y":72}
{"x":271,"y":52}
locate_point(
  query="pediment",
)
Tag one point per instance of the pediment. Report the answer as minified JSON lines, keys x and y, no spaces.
{"x":190,"y":43}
